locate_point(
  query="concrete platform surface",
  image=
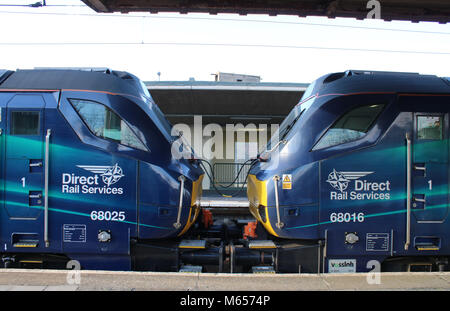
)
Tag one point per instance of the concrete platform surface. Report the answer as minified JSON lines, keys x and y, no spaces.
{"x":65,"y":280}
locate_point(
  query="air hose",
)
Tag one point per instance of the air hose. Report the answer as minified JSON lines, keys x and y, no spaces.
{"x":252,"y":163}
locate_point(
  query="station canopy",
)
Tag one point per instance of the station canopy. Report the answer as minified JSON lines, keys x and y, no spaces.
{"x":409,"y":10}
{"x":225,"y":102}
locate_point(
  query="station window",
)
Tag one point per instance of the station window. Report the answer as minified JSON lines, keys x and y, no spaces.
{"x":351,"y":126}
{"x":429,"y":127}
{"x":25,"y":123}
{"x":105,"y":123}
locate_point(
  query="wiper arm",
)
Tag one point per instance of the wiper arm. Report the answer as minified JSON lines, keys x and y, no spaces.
{"x":290,"y":126}
{"x":268,"y":152}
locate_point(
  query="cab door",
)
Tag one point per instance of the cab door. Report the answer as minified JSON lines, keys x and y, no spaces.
{"x":430,"y":169}
{"x":24,"y":168}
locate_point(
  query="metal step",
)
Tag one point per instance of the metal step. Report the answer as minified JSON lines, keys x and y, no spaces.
{"x":26,"y":244}
{"x":191,"y":269}
{"x":263,"y":269}
{"x":257,"y":244}
{"x":31,"y":261}
{"x":420,"y":267}
{"x":198,"y":244}
{"x":427,"y":247}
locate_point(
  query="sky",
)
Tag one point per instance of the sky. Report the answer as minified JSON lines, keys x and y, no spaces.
{"x":67,"y":33}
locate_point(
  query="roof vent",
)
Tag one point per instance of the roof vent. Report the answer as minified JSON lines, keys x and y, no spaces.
{"x":349,"y":73}
{"x":333,"y":77}
{"x":94,"y":69}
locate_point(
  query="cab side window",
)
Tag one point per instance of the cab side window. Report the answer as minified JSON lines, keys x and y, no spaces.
{"x":429,"y":127}
{"x":25,"y":122}
{"x":105,"y":123}
{"x":351,"y":126}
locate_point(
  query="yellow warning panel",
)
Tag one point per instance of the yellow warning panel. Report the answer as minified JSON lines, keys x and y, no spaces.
{"x":287,"y":181}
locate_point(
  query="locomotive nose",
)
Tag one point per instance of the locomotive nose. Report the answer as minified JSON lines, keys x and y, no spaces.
{"x":194,"y":210}
{"x":257,"y":196}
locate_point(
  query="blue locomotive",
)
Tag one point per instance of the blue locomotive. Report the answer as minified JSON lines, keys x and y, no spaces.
{"x":358,"y":176}
{"x":87,"y":171}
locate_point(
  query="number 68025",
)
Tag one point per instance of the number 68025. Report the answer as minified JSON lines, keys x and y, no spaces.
{"x":108,"y":215}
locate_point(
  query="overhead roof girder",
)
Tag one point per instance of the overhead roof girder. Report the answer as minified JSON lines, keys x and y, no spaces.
{"x":411,"y":10}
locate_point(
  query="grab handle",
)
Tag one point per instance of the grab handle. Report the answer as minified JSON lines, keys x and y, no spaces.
{"x":47,"y":148}
{"x":408,"y":191}
{"x":279,"y":224}
{"x":181,"y":178}
{"x":420,"y":200}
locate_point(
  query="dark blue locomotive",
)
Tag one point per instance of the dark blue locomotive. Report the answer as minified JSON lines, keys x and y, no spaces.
{"x":360,"y":173}
{"x":357,"y":178}
{"x":87,"y":170}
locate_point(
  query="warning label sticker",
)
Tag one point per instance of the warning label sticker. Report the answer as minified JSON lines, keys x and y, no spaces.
{"x":287,"y":181}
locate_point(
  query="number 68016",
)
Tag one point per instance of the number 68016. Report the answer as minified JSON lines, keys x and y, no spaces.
{"x":347,"y":217}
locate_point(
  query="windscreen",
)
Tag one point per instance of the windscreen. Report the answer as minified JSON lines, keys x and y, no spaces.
{"x":163,"y":123}
{"x":447,"y":79}
{"x":353,"y":125}
{"x":160,"y":120}
{"x":305,"y":102}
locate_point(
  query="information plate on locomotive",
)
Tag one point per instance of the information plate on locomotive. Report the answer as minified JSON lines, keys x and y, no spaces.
{"x":377,"y":242}
{"x":74,"y":233}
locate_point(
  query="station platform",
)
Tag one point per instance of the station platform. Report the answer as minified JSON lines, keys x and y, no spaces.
{"x":62,"y":280}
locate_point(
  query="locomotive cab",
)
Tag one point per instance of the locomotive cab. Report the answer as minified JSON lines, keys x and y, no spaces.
{"x":360,"y":167}
{"x":88,"y":168}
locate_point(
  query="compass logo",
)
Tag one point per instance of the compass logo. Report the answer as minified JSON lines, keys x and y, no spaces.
{"x":110,"y":174}
{"x":340,"y":180}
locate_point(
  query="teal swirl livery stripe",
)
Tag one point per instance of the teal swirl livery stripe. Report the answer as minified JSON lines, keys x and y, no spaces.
{"x":374,"y":215}
{"x":58,"y":210}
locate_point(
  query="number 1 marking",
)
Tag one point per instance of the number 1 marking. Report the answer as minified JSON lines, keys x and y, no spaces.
{"x":430,"y":183}
{"x":23,"y":182}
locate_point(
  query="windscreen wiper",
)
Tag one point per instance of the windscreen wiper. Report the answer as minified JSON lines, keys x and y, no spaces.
{"x":290,"y":126}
